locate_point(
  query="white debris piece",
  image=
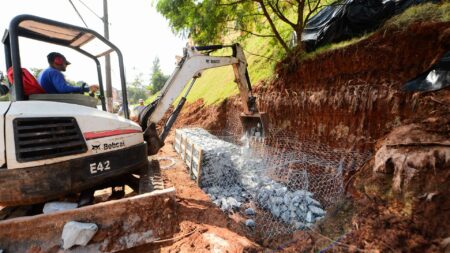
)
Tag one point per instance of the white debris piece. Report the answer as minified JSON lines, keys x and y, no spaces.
{"x":316,"y":210}
{"x":52,"y":207}
{"x":233,"y":203}
{"x":77,"y":233}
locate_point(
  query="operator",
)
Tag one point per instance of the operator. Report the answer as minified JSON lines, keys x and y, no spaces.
{"x":53,"y":81}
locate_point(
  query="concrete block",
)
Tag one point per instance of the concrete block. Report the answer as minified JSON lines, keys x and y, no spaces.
{"x":52,"y":207}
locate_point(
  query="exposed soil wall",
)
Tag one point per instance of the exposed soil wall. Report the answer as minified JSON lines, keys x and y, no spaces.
{"x":403,"y":192}
{"x":352,"y":97}
{"x":348,"y":97}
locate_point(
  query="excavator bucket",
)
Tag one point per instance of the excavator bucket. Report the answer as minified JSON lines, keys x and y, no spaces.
{"x":255,"y":124}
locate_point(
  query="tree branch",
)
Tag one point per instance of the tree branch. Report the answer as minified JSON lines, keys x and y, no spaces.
{"x":252,"y":33}
{"x":272,"y":26}
{"x":300,"y":9}
{"x":232,"y":3}
{"x":258,"y":55}
{"x":278,"y":12}
{"x":311,"y":11}
{"x":245,"y":16}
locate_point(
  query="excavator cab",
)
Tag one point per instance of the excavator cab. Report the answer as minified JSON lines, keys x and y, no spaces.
{"x":83,"y":40}
{"x":52,"y":145}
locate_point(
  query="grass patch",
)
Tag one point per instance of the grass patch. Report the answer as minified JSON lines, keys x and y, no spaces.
{"x":335,"y":46}
{"x":151,"y":98}
{"x":422,"y":12}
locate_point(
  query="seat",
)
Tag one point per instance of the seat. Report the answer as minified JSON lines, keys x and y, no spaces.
{"x":30,"y":84}
{"x":34,"y":91}
{"x":78,"y":99}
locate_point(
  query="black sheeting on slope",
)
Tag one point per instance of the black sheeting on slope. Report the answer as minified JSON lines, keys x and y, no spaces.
{"x":435,"y":78}
{"x":350,"y":18}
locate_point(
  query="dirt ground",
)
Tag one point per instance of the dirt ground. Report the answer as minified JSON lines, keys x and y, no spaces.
{"x":203,"y":227}
{"x":348,"y":98}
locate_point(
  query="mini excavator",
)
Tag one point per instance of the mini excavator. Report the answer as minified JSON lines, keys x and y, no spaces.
{"x":52,"y":145}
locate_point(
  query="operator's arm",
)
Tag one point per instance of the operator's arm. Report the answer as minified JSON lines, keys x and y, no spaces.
{"x":59,"y":83}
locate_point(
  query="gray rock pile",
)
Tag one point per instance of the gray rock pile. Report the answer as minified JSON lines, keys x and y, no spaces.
{"x":233,"y":175}
{"x":297,"y":208}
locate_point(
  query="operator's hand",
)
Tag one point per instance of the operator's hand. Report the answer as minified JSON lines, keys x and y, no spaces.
{"x":93,"y":88}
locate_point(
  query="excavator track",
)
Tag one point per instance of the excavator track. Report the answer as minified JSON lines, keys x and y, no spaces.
{"x":153,"y":200}
{"x":151,"y":179}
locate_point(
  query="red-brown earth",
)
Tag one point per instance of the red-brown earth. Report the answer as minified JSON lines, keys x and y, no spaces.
{"x":347,"y":98}
{"x":352,"y":98}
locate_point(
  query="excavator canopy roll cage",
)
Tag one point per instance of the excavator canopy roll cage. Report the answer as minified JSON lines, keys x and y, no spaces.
{"x":77,"y":38}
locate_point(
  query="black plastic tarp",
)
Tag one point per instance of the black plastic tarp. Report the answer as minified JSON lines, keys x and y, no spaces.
{"x":435,"y":78}
{"x":350,"y":18}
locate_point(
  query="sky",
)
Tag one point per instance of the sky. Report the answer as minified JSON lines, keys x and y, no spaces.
{"x":135,"y":28}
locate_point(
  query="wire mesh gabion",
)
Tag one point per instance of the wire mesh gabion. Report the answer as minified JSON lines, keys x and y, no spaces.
{"x":279,"y":183}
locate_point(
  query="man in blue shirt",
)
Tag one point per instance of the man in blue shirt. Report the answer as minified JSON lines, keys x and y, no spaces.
{"x":53,"y":81}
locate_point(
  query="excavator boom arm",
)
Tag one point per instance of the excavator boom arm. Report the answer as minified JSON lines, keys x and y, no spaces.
{"x":190,"y":67}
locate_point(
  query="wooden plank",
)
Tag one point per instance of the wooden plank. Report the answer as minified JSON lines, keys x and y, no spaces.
{"x":178,"y":140}
{"x":195,"y":162}
{"x":200,"y":162}
{"x":177,"y":146}
{"x":183,"y":148}
{"x":188,"y":157}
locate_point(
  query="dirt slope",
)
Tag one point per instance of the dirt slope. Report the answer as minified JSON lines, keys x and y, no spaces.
{"x":345,"y":97}
{"x":351,"y":98}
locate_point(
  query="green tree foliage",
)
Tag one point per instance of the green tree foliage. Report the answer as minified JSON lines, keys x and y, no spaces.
{"x":208,"y":21}
{"x":36,"y":71}
{"x":136,"y":89}
{"x":158,"y":79}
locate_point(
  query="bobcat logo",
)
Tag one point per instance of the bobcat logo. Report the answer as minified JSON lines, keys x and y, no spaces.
{"x":95,"y":147}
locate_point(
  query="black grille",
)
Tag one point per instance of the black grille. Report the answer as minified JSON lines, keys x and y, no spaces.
{"x":42,"y":138}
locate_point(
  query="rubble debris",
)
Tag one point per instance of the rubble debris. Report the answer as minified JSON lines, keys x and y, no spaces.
{"x":52,"y":207}
{"x":250,"y":211}
{"x":77,"y":233}
{"x":137,"y":238}
{"x":296,"y":208}
{"x":250,"y":223}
